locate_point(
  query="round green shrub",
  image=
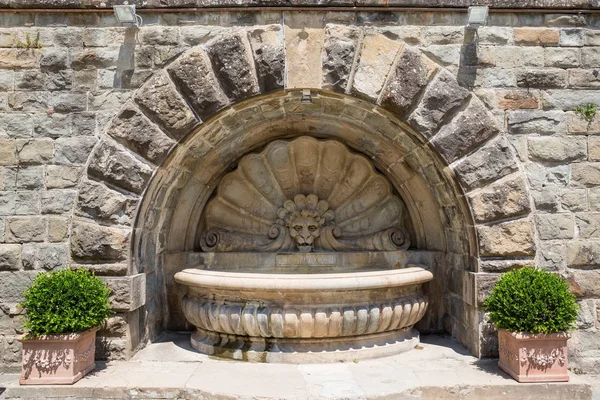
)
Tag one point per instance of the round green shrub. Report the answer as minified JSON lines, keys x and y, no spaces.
{"x":65,"y":301}
{"x":532,"y":300}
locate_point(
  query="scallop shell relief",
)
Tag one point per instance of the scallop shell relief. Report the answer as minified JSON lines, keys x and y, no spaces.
{"x":304,"y":195}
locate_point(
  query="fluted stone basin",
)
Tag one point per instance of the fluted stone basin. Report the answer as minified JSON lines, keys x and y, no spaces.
{"x":301,"y":308}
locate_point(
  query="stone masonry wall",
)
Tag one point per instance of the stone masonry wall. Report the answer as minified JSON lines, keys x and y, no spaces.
{"x":530,"y":70}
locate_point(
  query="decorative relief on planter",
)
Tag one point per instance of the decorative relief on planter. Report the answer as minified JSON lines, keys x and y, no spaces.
{"x":305,"y":195}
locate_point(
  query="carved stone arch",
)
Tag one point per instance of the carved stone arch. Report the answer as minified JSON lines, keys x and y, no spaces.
{"x":434,"y":139}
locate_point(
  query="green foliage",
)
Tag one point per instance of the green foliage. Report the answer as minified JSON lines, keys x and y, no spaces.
{"x":532,"y":300}
{"x":65,"y":301}
{"x":30,"y":44}
{"x":587,"y":112}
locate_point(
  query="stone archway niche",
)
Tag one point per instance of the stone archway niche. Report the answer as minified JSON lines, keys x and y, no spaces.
{"x":304,"y":260}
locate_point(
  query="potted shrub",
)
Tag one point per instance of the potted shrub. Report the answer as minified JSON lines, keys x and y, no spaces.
{"x":63,"y":310}
{"x":533,"y":311}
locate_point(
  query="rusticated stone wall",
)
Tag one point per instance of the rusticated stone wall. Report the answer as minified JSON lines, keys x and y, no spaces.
{"x":105,"y":130}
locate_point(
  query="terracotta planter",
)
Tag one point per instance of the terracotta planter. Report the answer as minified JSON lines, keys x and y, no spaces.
{"x":58,"y":359}
{"x":534,"y":358}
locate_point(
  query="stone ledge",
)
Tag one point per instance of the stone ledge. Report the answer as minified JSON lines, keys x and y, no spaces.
{"x":101,"y":4}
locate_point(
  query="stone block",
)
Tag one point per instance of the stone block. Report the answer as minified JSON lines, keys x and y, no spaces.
{"x":29,"y":80}
{"x":7,"y":81}
{"x":590,"y":57}
{"x":594,"y":196}
{"x":267,"y":45}
{"x":83,"y":124}
{"x":490,"y":163}
{"x":583,"y":254}
{"x":557,"y":149}
{"x":55,"y":58}
{"x":442,"y":97}
{"x":195,"y":79}
{"x":572,"y":37}
{"x":58,"y":229}
{"x":577,"y":125}
{"x":339,"y":51}
{"x":562,"y":58}
{"x":594,"y":148}
{"x":93,"y":58}
{"x":410,"y":77}
{"x":159,"y":99}
{"x":509,"y":56}
{"x":7,"y":152}
{"x":116,"y":166}
{"x":13,"y":284}
{"x":448,"y":55}
{"x":53,"y":125}
{"x":7,"y":203}
{"x":304,"y":40}
{"x":58,"y":80}
{"x":498,"y":266}
{"x":109,"y":100}
{"x":127,"y":293}
{"x":74,"y":150}
{"x":25,"y":229}
{"x":467,"y":131}
{"x":58,"y":201}
{"x":96,"y":243}
{"x":67,"y":102}
{"x":536,"y":122}
{"x":496,"y":77}
{"x":377,"y":55}
{"x":551,"y":256}
{"x":586,"y":317}
{"x":568,"y":99}
{"x":10,"y":257}
{"x":507,"y":239}
{"x":16,"y":125}
{"x":232,"y":63}
{"x":592,"y":37}
{"x":45,"y":256}
{"x":62,"y":176}
{"x":35,"y":151}
{"x":515,"y":100}
{"x":98,"y":202}
{"x":442,"y":35}
{"x":574,"y":200}
{"x":585,"y":174}
{"x":136,"y":132}
{"x":29,"y":101}
{"x":588,"y":225}
{"x":159,"y":35}
{"x":27,"y":203}
{"x":84,"y":80}
{"x":543,"y":78}
{"x":503,"y":199}
{"x":30,"y":177}
{"x":19,"y":58}
{"x":584,"y":283}
{"x":536,"y":36}
{"x":555,"y":226}
{"x":584,"y":78}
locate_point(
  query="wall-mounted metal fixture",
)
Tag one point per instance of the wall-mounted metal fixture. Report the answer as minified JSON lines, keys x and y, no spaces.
{"x":126,"y":15}
{"x":306,"y":97}
{"x":477,"y":16}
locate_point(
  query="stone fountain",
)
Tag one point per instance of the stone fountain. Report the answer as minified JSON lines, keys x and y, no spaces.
{"x":304,"y":260}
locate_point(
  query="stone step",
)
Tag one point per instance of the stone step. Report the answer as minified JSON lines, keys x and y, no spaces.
{"x":438,"y":369}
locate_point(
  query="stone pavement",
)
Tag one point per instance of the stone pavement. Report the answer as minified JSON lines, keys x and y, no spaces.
{"x":438,"y":369}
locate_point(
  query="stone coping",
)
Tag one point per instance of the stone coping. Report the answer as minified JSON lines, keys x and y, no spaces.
{"x":164,"y":4}
{"x":309,"y":282}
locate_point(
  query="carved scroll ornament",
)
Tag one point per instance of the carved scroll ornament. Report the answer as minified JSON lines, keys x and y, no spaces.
{"x":304,"y":195}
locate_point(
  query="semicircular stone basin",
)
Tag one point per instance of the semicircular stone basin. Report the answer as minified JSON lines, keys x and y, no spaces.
{"x":285,"y":311}
{"x":304,"y":260}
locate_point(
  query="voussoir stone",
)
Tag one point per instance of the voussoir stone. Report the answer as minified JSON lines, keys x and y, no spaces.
{"x":160,"y":100}
{"x":413,"y":72}
{"x":101,"y":203}
{"x":338,"y":55}
{"x":231,"y":59}
{"x":502,"y":199}
{"x":469,"y":130}
{"x":269,"y":56}
{"x":92,"y":243}
{"x":133,"y":130}
{"x":442,"y":97}
{"x":116,"y":166}
{"x":195,"y":79}
{"x":491,"y":162}
{"x":513,"y":238}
